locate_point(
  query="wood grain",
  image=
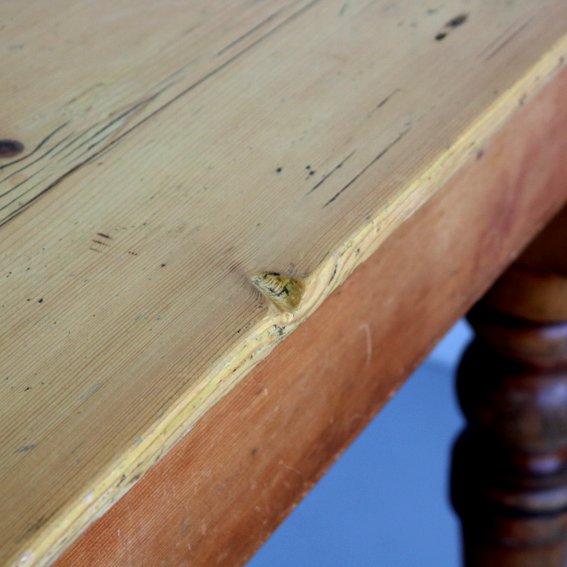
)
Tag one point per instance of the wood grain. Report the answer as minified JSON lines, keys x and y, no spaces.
{"x":170,"y":153}
{"x":225,"y":487}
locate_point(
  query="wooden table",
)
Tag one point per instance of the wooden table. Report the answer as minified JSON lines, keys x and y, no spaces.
{"x":185,"y":186}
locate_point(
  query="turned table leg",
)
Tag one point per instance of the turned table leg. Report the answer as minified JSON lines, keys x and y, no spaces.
{"x":509,"y":475}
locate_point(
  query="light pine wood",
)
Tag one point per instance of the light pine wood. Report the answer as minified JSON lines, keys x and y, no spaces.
{"x":176,"y":154}
{"x":225,"y":487}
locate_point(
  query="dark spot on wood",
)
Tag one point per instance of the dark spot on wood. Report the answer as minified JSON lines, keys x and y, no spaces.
{"x":40,"y":300}
{"x":10,"y":148}
{"x":163,"y":265}
{"x":451,"y":25}
{"x":457,"y":21}
{"x":312,"y":172}
{"x":100,"y":242}
{"x":103,"y":235}
{"x":132,"y":253}
{"x":307,"y":167}
{"x":333,"y":274}
{"x":27,"y":388}
{"x":253,"y":451}
{"x":279,"y":169}
{"x":479,"y":154}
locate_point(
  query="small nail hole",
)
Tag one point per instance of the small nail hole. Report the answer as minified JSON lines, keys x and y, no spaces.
{"x":10,"y":148}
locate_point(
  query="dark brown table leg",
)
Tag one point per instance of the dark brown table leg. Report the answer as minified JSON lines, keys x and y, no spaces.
{"x":509,"y":477}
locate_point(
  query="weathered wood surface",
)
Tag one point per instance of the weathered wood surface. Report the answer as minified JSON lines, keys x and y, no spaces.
{"x":224,"y":488}
{"x":173,"y":152}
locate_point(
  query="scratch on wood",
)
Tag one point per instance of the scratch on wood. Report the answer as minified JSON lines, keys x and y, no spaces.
{"x":506,"y":41}
{"x":384,"y":101}
{"x":292,"y":469}
{"x":84,"y":92}
{"x":249,"y":32}
{"x":89,"y":392}
{"x":172,"y":79}
{"x":368,"y":338}
{"x":327,"y":175}
{"x":26,"y":448}
{"x":367,"y":167}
